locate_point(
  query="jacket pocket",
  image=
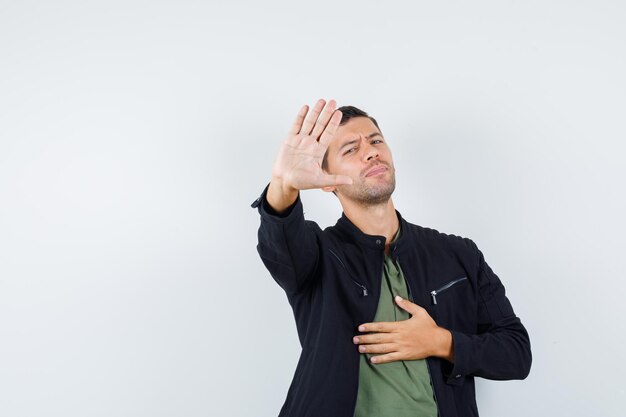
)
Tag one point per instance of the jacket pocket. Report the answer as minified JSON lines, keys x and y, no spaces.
{"x":363,"y":288}
{"x":444,"y":288}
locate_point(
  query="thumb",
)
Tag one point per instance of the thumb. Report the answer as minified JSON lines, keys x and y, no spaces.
{"x":330,"y":180}
{"x":407,"y":305}
{"x":341,"y":179}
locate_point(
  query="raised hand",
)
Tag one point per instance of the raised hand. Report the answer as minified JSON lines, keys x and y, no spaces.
{"x":298,"y":165}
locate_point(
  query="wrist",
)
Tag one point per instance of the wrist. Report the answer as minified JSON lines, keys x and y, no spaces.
{"x":280,"y":195}
{"x":284,"y":187}
{"x":444,"y":347}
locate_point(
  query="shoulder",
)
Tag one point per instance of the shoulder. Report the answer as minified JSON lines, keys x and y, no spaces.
{"x":433,"y":237}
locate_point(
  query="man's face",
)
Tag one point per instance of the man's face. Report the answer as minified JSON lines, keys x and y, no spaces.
{"x":359,"y":151}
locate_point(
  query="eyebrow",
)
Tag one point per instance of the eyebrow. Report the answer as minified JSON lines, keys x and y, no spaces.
{"x":371,"y":135}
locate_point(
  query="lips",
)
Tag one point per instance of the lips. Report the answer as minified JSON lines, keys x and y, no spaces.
{"x":378,"y":169}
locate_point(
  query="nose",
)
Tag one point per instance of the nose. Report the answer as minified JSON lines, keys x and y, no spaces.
{"x":370,"y":152}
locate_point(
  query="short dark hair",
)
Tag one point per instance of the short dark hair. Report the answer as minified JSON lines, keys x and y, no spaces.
{"x":350,"y":112}
{"x":347,"y":113}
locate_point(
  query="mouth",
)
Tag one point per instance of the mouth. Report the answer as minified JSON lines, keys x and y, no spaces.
{"x":376,"y":170}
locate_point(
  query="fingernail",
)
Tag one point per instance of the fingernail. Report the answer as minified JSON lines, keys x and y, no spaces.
{"x":374,"y":360}
{"x":355,"y":340}
{"x":398,"y":298}
{"x":361,"y":328}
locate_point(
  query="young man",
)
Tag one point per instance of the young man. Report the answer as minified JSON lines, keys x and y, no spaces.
{"x":394,"y":319}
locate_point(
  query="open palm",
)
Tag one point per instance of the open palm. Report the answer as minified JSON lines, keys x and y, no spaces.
{"x":299,"y":161}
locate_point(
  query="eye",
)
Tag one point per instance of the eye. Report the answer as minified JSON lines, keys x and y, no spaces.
{"x":376,"y":141}
{"x":351,"y":150}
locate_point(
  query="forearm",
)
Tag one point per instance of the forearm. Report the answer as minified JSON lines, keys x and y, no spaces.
{"x":502,"y":353}
{"x":287,"y":244}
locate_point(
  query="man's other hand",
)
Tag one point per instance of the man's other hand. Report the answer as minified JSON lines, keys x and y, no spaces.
{"x":416,"y":338}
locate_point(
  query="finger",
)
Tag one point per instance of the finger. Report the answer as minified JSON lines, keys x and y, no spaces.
{"x":312,"y":117}
{"x":380,"y":348}
{"x":369,"y":339}
{"x":297,"y":124}
{"x":380,"y":326}
{"x":407,"y":305}
{"x":387,"y":357}
{"x":331,"y":128}
{"x":321,"y":123}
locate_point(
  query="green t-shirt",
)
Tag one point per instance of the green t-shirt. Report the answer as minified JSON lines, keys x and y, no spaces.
{"x":400,"y":388}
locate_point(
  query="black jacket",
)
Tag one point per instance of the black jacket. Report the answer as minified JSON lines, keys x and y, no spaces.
{"x":332,"y":279}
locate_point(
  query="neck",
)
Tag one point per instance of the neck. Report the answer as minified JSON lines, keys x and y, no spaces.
{"x":380,"y":219}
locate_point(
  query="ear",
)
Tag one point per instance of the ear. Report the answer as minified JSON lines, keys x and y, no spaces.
{"x":329,"y":189}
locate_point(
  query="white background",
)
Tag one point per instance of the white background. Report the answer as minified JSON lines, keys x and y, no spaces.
{"x":135,"y":134}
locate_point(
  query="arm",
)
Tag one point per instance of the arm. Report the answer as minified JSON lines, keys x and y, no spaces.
{"x":501,"y":348}
{"x":287,"y":243}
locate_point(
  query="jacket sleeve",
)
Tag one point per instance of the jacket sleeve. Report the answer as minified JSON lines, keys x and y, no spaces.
{"x":501,"y":348}
{"x":287,"y":244}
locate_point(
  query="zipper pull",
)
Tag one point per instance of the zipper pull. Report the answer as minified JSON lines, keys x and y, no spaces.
{"x":434,"y":295}
{"x":363,"y":288}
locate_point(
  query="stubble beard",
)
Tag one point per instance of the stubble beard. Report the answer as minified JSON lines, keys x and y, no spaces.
{"x":370,"y":194}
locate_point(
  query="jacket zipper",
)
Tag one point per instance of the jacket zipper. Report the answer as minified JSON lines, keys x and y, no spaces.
{"x":412,"y":296}
{"x":358,"y":372}
{"x":434,"y":293}
{"x":363,"y":288}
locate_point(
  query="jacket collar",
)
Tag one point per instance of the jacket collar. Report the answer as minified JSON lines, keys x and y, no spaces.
{"x":372,"y":241}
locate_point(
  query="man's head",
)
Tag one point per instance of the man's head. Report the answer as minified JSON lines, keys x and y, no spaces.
{"x":348,"y":113}
{"x":359,"y":150}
